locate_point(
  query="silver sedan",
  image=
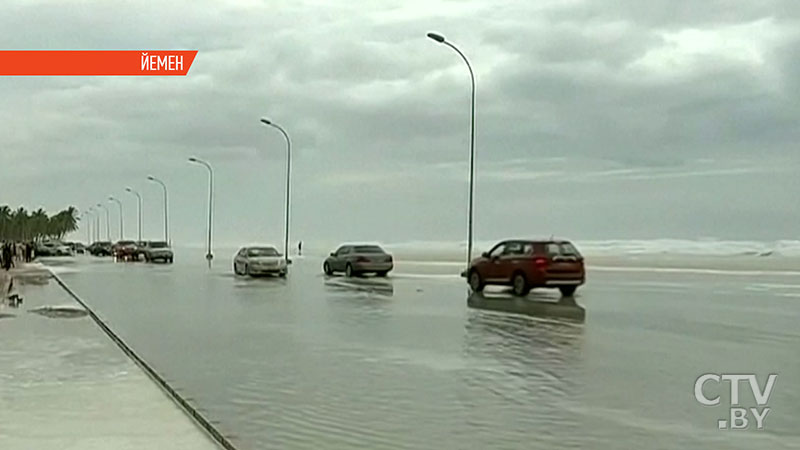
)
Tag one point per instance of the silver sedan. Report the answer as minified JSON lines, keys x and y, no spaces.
{"x":259,"y":260}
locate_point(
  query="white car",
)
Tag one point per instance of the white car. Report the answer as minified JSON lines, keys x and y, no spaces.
{"x":259,"y":260}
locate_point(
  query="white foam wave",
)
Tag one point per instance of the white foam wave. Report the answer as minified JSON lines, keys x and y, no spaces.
{"x":629,"y":247}
{"x":731,"y":272}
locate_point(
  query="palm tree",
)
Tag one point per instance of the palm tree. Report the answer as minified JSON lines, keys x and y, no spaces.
{"x":39,"y":223}
{"x":18,"y":225}
{"x":5,"y":221}
{"x":64,"y":222}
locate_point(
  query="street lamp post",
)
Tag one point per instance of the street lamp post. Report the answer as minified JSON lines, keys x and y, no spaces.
{"x":166,"y":207}
{"x":209,"y":255}
{"x":440,"y":39}
{"x":88,"y":227}
{"x":119,"y":204}
{"x":108,"y":221}
{"x":288,"y":184}
{"x":94,"y":224}
{"x":127,"y":189}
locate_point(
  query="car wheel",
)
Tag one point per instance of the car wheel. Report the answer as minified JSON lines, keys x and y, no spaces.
{"x":282,"y":274}
{"x":327,"y":269}
{"x":475,"y":281}
{"x":348,"y":271}
{"x":567,"y":291}
{"x":520,"y":285}
{"x":171,"y":258}
{"x":382,"y":274}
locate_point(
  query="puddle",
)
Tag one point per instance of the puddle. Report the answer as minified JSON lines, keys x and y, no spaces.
{"x":60,"y":312}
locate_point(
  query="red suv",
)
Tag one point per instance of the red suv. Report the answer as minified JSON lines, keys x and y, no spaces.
{"x":524,"y":265}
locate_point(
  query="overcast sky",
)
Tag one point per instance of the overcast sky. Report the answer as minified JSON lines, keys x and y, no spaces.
{"x":624,"y":119}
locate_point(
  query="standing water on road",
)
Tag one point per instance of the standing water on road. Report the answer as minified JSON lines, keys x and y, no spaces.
{"x":412,"y":361}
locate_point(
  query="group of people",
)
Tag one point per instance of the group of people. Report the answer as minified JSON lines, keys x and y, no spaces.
{"x":12,"y":253}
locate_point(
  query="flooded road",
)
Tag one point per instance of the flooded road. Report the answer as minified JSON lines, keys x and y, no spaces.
{"x":414,"y":362}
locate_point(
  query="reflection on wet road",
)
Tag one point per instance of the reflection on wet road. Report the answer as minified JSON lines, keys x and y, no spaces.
{"x":378,"y":286}
{"x":563,"y":308}
{"x":404,"y":362}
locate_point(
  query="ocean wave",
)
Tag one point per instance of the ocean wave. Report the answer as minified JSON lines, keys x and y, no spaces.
{"x":631,"y":247}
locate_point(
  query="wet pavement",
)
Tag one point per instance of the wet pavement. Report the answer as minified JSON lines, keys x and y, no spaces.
{"x":415,"y":362}
{"x":65,"y":385}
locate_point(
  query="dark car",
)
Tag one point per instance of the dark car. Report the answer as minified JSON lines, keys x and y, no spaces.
{"x":524,"y":265}
{"x":100,"y":248}
{"x":126,"y":251}
{"x":359,"y":259}
{"x":155,"y":251}
{"x":76,"y":247}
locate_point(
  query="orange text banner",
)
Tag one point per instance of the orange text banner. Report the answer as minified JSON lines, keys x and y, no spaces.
{"x":95,"y":62}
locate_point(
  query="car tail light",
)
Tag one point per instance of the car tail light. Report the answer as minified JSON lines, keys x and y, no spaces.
{"x":540,"y":262}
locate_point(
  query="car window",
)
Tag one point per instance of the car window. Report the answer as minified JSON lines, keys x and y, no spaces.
{"x":562,"y":249}
{"x":568,"y":249}
{"x":367,"y":249}
{"x":343,"y":251}
{"x":497,"y":251}
{"x":513,"y":249}
{"x":262,"y":251}
{"x":157,"y":245}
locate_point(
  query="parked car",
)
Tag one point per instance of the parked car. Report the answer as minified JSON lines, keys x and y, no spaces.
{"x":76,"y":247}
{"x":156,"y":250}
{"x":359,"y":259}
{"x":259,"y":260}
{"x":524,"y":265}
{"x":100,"y":248}
{"x":126,"y":251}
{"x":52,"y":248}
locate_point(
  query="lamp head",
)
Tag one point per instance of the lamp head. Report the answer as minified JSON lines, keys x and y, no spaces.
{"x":128,"y":189}
{"x":151,"y":178}
{"x":192,"y":159}
{"x":266,"y":121}
{"x":436,"y":37}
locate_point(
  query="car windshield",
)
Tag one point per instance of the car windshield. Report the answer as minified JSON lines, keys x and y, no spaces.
{"x":367,"y":249}
{"x":568,"y":249}
{"x":262,"y":251}
{"x":121,"y":243}
{"x":158,"y":245}
{"x":562,"y":249}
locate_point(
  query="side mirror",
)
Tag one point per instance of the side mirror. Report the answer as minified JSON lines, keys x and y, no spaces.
{"x":333,"y":253}
{"x":485,"y":254}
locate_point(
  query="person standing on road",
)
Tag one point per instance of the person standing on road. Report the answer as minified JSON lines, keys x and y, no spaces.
{"x":300,"y":248}
{"x":8,"y":257}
